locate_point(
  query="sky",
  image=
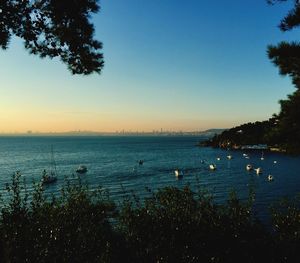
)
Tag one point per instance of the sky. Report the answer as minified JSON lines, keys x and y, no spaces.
{"x":169,"y":64}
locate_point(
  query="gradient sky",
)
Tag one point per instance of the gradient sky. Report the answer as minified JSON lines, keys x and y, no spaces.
{"x":175,"y":65}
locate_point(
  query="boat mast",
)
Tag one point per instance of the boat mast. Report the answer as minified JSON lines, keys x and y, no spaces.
{"x":53,"y":164}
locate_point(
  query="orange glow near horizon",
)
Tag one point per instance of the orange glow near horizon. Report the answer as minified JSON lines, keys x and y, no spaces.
{"x":21,"y":121}
{"x":189,"y":77}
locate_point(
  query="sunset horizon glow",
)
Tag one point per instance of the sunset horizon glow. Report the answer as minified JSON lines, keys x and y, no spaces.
{"x":168,"y":65}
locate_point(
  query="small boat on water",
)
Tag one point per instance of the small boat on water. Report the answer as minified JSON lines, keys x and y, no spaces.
{"x":255,"y":147}
{"x":275,"y":162}
{"x":262,"y":156}
{"x":212,"y":167}
{"x":49,"y":178}
{"x":141,"y":162}
{"x":81,"y":169}
{"x":178,"y":173}
{"x":218,"y":158}
{"x":249,"y":167}
{"x":245,"y":154}
{"x":229,"y":157}
{"x":258,"y":170}
{"x":270,"y":177}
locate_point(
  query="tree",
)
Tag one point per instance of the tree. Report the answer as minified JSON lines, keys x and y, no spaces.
{"x":289,"y":124}
{"x":286,"y":55}
{"x":54,"y":28}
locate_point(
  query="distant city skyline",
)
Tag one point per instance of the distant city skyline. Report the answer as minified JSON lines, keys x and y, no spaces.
{"x":209,"y":132}
{"x":169,"y":65}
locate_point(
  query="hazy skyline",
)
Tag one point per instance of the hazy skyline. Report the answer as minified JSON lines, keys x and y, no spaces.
{"x":172,"y":65}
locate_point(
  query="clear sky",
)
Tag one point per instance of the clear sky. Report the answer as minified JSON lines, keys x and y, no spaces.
{"x":170,"y":64}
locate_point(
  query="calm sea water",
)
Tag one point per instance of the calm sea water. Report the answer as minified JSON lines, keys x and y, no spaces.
{"x":112,"y":163}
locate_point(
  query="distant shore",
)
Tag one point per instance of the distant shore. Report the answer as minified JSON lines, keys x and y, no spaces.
{"x":208,"y":133}
{"x":253,"y":147}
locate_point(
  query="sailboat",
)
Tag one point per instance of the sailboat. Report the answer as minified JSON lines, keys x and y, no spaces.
{"x":49,"y":178}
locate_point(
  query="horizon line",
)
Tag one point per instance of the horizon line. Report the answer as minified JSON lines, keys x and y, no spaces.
{"x":122,"y":132}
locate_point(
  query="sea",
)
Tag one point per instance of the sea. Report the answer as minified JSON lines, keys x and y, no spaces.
{"x":113,"y":164}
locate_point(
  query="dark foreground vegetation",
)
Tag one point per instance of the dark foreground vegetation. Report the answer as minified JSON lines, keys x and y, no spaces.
{"x":171,"y":225}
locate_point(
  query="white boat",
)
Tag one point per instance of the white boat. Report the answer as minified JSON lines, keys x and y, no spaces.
{"x":258,"y":170}
{"x":249,"y":167}
{"x":81,"y":169}
{"x":229,"y":157}
{"x":49,"y":178}
{"x":218,"y":159}
{"x":245,"y":154}
{"x":178,"y":174}
{"x":262,"y":156}
{"x":275,"y":162}
{"x":270,"y":177}
{"x":255,"y":147}
{"x":212,"y":167}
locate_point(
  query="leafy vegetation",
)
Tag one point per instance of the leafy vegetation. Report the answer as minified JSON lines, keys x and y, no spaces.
{"x":74,"y":227}
{"x":171,"y":225}
{"x":247,"y":134}
{"x":286,"y":56}
{"x":54,"y":28}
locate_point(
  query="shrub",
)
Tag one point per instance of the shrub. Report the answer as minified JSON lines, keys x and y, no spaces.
{"x":73,"y":227}
{"x":176,"y":225}
{"x":171,"y":225}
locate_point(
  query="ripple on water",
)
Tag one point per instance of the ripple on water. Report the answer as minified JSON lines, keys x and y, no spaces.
{"x":112,"y":163}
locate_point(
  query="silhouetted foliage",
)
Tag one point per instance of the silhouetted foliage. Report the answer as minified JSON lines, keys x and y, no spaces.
{"x":176,"y":226}
{"x":286,"y":227}
{"x":286,"y":55}
{"x":172,"y":225}
{"x":54,"y":28}
{"x":73,"y":227}
{"x":289,"y":122}
{"x":260,"y":132}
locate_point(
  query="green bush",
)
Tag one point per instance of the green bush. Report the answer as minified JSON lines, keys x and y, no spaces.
{"x":171,"y":225}
{"x":177,"y":226}
{"x":74,"y":227}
